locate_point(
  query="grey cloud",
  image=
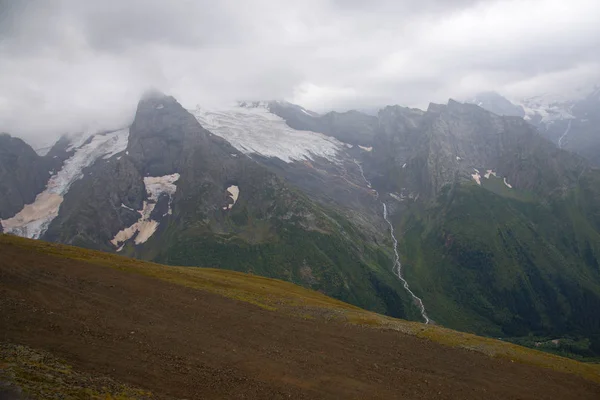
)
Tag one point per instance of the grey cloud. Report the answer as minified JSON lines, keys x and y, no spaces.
{"x":120,"y":25}
{"x":399,"y":8}
{"x":67,"y":65}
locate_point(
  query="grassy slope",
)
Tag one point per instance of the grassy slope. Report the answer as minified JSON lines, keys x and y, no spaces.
{"x":507,"y":266}
{"x":43,"y":376}
{"x":284,"y":297}
{"x":334,"y":257}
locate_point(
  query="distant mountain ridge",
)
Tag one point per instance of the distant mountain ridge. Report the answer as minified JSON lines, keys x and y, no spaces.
{"x":177,"y":193}
{"x":482,"y":202}
{"x":570,"y":121}
{"x":498,"y":229}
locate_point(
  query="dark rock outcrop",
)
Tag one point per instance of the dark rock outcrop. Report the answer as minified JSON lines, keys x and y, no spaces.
{"x":424,"y":151}
{"x":351,"y":127}
{"x":23,"y":175}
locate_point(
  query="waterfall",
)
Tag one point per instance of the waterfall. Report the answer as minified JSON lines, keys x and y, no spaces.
{"x":397,"y":267}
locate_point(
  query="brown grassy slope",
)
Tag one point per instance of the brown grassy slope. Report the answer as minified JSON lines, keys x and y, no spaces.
{"x":203,"y":333}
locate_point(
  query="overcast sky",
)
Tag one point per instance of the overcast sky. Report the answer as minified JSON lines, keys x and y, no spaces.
{"x":70,"y":64}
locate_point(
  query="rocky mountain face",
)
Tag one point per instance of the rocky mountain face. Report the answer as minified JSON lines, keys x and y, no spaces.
{"x":472,"y":219}
{"x":351,"y":127}
{"x":570,"y":121}
{"x":497,"y":104}
{"x":423,"y":151}
{"x":23,"y":174}
{"x":500,"y":227}
{"x":176,"y":193}
{"x":582,"y":133}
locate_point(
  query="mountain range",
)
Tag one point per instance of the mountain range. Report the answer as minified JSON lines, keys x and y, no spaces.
{"x":570,"y":120}
{"x":455,"y":215}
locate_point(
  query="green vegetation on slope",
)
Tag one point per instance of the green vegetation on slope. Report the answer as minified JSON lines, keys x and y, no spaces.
{"x":348,"y":269}
{"x":505,"y":267}
{"x":28,"y":372}
{"x":288,"y":237}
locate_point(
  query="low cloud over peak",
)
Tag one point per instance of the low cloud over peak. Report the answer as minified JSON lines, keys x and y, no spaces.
{"x":68,"y":64}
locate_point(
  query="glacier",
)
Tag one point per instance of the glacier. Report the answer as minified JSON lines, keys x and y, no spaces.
{"x":33,"y":220}
{"x":551,"y":107}
{"x":255,"y":130}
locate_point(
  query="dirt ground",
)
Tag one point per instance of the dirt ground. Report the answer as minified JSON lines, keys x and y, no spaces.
{"x":191,"y":344}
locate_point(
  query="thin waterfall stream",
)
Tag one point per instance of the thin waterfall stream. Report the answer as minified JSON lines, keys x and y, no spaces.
{"x":397,"y":268}
{"x":564,"y":135}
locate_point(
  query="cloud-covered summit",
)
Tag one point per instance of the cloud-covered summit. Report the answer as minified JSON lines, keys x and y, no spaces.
{"x":68,"y":65}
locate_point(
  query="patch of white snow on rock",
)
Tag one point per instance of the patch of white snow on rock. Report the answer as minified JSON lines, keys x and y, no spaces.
{"x":234,"y":193}
{"x":145,"y":227}
{"x":476,"y":176}
{"x":128,"y":208}
{"x":33,"y":220}
{"x":396,"y":196}
{"x":488,"y":173}
{"x":255,"y":130}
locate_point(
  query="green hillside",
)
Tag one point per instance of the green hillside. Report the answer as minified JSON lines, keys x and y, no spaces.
{"x":509,"y":267}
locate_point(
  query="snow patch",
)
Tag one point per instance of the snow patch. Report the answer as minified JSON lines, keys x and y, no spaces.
{"x":396,"y":196}
{"x":129,"y":208}
{"x":366,"y":148}
{"x":458,"y":158}
{"x":145,"y":230}
{"x":160,"y":107}
{"x":256,"y":130}
{"x":476,"y":177}
{"x":507,"y":184}
{"x":234,"y":193}
{"x":155,"y":186}
{"x":33,"y":220}
{"x":145,"y":226}
{"x":404,"y":165}
{"x":488,"y":173}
